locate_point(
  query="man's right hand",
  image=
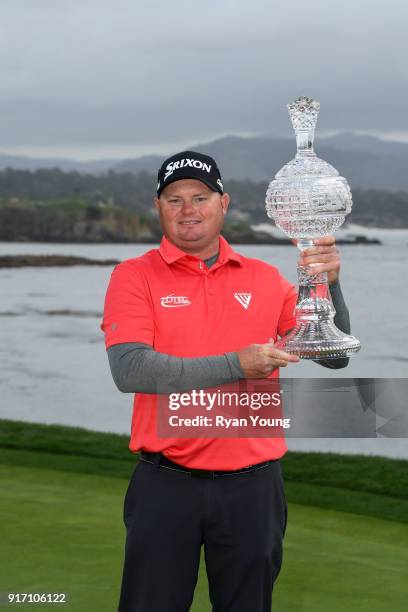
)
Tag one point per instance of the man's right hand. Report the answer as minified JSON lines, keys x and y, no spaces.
{"x":258,"y":360}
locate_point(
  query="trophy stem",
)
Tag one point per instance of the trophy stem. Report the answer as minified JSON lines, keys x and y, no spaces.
{"x":315,"y":335}
{"x":314,"y":301}
{"x":303,"y":244}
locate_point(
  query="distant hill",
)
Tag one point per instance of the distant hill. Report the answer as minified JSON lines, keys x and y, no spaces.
{"x":46,"y":187}
{"x":367,"y":162}
{"x":67,"y":165}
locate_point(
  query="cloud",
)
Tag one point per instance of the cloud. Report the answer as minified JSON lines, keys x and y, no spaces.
{"x":99,"y":72}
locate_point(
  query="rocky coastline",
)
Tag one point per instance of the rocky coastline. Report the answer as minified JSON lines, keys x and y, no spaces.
{"x":41,"y":261}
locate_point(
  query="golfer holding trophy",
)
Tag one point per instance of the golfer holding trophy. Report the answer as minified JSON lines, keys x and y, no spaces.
{"x":195,"y":314}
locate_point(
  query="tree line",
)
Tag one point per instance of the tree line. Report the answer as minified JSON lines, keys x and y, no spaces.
{"x":135,"y":192}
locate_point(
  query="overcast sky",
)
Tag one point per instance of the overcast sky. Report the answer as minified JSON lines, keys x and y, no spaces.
{"x":114,"y":78}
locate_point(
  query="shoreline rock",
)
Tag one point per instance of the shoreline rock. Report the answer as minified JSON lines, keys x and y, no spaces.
{"x":42,"y":261}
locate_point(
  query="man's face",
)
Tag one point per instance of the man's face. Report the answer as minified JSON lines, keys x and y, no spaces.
{"x":191,"y":215}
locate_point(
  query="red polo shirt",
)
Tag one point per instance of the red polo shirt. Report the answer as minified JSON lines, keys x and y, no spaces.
{"x":173,"y":302}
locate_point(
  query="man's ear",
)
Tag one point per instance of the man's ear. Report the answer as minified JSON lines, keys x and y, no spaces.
{"x":156,"y":203}
{"x":225,"y":201}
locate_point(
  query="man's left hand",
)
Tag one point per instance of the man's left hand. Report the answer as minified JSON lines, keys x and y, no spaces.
{"x":324,"y":256}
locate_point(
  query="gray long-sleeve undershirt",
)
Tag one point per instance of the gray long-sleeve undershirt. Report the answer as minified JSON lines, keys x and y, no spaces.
{"x":137,"y":368}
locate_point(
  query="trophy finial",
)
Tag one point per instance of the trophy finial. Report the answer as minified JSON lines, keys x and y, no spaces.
{"x":303,"y":113}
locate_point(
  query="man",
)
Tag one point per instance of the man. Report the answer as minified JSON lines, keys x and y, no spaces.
{"x":195,"y":314}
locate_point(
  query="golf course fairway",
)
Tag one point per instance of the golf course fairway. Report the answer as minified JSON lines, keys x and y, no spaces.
{"x":62,"y":532}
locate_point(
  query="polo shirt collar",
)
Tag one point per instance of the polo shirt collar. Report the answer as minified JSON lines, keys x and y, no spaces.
{"x":171,"y":253}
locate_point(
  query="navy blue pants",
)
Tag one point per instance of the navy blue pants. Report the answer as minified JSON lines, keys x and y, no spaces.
{"x":240,"y":520}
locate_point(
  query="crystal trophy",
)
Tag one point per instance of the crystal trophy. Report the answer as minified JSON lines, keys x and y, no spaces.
{"x":308,"y":199}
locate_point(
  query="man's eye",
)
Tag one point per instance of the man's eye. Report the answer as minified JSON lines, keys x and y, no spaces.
{"x":201,"y":199}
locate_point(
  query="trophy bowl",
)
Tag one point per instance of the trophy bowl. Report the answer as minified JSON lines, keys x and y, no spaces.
{"x":308,"y":199}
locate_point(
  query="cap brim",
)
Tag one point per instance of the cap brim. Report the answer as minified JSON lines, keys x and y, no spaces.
{"x":181,"y":177}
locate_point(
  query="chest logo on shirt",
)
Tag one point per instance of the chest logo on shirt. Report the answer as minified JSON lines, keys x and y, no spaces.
{"x":243,"y":298}
{"x":174,"y":301}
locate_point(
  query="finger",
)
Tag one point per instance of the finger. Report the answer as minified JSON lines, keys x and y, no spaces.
{"x":276,"y":353}
{"x":324,"y":250}
{"x":276,"y":363}
{"x":294,"y":358}
{"x":282,"y":363}
{"x":324,"y":241}
{"x":312,"y":259}
{"x":319,"y":268}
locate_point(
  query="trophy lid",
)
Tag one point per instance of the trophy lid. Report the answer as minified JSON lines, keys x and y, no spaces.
{"x":303,"y":114}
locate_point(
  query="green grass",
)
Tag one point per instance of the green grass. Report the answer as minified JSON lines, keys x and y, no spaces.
{"x":375,"y":486}
{"x":65,"y":534}
{"x":62,"y":489}
{"x":337,"y":561}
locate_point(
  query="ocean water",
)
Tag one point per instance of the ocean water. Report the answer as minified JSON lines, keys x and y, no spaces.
{"x":53,"y":365}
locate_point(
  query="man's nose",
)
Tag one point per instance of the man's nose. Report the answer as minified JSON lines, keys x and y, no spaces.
{"x":188,"y":207}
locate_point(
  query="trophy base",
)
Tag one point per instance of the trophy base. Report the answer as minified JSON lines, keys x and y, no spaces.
{"x":321,"y":340}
